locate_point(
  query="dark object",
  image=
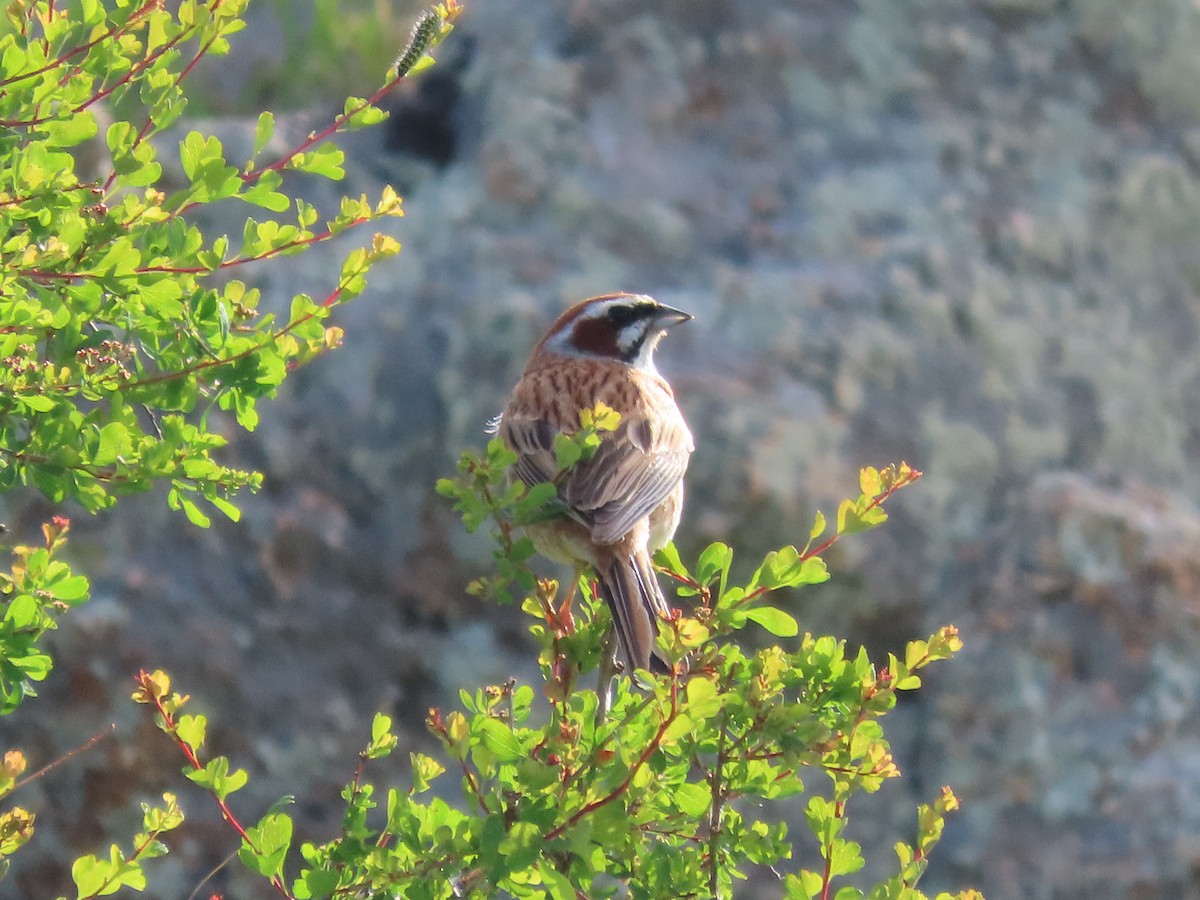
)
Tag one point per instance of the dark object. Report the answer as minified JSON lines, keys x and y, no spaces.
{"x":423,"y":119}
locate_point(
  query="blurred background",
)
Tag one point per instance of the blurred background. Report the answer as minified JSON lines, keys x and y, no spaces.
{"x":957,"y":232}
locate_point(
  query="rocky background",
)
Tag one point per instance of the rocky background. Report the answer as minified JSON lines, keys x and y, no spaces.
{"x":958,"y":232}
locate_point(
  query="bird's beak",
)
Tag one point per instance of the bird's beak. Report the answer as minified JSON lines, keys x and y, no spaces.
{"x":667,"y":316}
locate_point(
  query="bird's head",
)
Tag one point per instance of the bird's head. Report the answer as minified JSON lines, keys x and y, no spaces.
{"x":623,"y":328}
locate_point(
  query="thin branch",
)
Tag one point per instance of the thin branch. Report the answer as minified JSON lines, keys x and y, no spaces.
{"x":878,"y":501}
{"x":148,"y":125}
{"x":317,"y":136}
{"x":621,"y":788}
{"x":141,"y":66}
{"x":328,"y":234}
{"x":212,"y":874}
{"x":170,"y":727}
{"x":115,"y":31}
{"x":200,"y":52}
{"x":715,"y":810}
{"x":439,"y":727}
{"x":51,"y":766}
{"x":16,"y":201}
{"x":839,"y":812}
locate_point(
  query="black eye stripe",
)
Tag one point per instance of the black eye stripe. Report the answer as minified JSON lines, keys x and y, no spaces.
{"x":624,"y":314}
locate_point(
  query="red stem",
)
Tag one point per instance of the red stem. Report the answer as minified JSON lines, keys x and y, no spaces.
{"x":15,"y":201}
{"x":839,"y":809}
{"x":621,"y":788}
{"x":187,"y":70}
{"x":133,"y":73}
{"x":49,"y":16}
{"x":332,"y":128}
{"x":203,"y":270}
{"x":809,"y":554}
{"x":148,"y":124}
{"x":170,"y":727}
{"x":137,"y":70}
{"x":212,"y":363}
{"x":832,"y":539}
{"x":466,"y":770}
{"x":83,"y":48}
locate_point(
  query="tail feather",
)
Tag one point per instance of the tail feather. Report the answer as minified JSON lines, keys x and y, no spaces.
{"x":632,"y":592}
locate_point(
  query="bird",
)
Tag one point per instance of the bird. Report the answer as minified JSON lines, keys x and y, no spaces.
{"x":624,"y":502}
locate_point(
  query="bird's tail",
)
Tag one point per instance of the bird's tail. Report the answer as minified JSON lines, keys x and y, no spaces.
{"x":631,"y":589}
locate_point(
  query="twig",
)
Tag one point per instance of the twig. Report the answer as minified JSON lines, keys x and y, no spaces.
{"x":211,"y":875}
{"x":621,"y":788}
{"x":83,"y":48}
{"x":49,"y":767}
{"x":170,"y":727}
{"x":715,"y":810}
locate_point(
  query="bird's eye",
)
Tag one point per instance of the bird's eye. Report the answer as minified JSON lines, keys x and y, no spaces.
{"x":620,"y":316}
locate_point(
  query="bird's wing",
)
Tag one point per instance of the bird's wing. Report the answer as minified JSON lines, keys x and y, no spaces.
{"x":533,"y":442}
{"x":633,"y":470}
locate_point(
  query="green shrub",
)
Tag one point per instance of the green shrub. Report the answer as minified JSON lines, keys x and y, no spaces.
{"x":122,"y":326}
{"x":663,"y":794}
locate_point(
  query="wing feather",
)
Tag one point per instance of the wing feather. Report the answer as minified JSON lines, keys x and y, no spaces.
{"x":634,"y":469}
{"x":627,"y":478}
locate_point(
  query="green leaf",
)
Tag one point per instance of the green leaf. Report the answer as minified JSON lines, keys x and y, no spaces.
{"x":264,"y":194}
{"x":191,"y":730}
{"x":195,"y":151}
{"x":805,"y":885}
{"x":267,"y":845}
{"x":499,"y":739}
{"x":359,"y":114}
{"x":520,"y":846}
{"x":69,"y":590}
{"x":567,"y":452}
{"x":852,"y":519}
{"x":557,"y":885}
{"x":785,"y":568}
{"x":381,"y":727}
{"x":383,"y":742}
{"x":120,"y":137}
{"x":89,"y":874}
{"x":22,"y":612}
{"x":692,"y":799}
{"x":217,"y":778}
{"x":263,"y":131}
{"x":774,"y":620}
{"x":714,"y":562}
{"x":818,"y":527}
{"x":681,"y":726}
{"x":869,"y":482}
{"x":193,"y":513}
{"x":325,"y":160}
{"x":72,"y":130}
{"x":702,"y":698}
{"x":668,"y":558}
{"x":316,"y":884}
{"x":36,"y":402}
{"x":231,"y":512}
{"x":845,"y":858}
{"x":424,"y":769}
{"x":115,"y":443}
